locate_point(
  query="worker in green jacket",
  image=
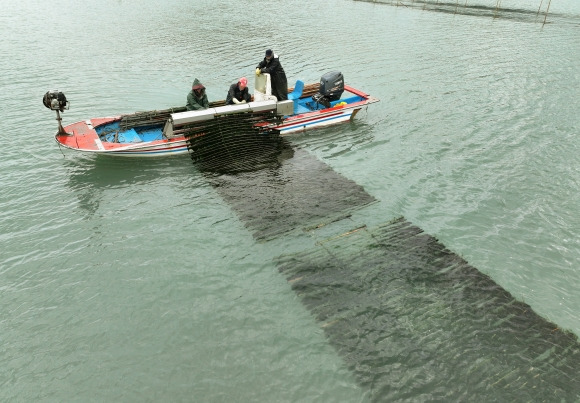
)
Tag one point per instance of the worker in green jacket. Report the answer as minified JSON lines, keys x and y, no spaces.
{"x":197,"y":98}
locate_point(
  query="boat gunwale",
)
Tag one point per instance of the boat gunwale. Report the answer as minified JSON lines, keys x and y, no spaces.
{"x":165,"y":145}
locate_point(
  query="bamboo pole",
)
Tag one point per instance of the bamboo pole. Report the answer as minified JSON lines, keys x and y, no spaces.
{"x":497,"y":6}
{"x":547,"y":9}
{"x":538,"y":13}
{"x":496,"y":10}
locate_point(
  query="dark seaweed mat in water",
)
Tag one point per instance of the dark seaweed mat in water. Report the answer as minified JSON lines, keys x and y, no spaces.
{"x":272,"y":187}
{"x":416,"y":322}
{"x":298,"y":191}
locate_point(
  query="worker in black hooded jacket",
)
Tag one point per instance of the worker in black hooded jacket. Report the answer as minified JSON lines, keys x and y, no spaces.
{"x":271,"y":65}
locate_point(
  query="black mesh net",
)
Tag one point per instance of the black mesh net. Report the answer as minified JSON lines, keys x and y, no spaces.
{"x":235,"y":143}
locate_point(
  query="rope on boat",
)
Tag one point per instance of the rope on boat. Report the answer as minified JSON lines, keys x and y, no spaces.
{"x":155,"y":117}
{"x":148,"y":118}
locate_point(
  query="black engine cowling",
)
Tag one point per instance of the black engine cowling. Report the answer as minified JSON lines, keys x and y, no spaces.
{"x":55,"y":100}
{"x":332,"y":85}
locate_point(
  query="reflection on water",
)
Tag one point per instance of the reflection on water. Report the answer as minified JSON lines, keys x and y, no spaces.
{"x":91,"y":176}
{"x":411,"y":318}
{"x":337,"y":140}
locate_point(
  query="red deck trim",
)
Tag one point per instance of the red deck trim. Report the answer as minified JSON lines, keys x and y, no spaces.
{"x":355,"y":91}
{"x":101,"y":121}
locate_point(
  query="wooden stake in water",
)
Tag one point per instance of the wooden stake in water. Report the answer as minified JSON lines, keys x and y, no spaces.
{"x":547,"y":9}
{"x":542,"y":1}
{"x":497,"y":5}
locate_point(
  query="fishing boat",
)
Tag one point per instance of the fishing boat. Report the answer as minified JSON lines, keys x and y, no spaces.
{"x":165,"y":132}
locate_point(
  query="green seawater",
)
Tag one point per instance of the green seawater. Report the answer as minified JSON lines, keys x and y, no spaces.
{"x":144,"y":280}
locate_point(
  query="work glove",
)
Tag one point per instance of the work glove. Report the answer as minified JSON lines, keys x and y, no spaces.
{"x":258,"y":71}
{"x":235,"y":101}
{"x":243,"y":101}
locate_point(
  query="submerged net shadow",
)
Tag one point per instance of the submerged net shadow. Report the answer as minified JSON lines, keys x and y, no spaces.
{"x":273,"y":187}
{"x":299,"y":191}
{"x":411,"y":318}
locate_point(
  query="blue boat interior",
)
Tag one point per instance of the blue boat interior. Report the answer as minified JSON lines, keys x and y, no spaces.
{"x":305,"y":105}
{"x":112,"y":133}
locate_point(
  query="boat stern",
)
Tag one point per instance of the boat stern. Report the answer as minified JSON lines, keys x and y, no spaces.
{"x":82,"y":135}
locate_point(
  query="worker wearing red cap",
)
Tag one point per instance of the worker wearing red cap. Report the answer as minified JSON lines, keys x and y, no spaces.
{"x":238,"y":92}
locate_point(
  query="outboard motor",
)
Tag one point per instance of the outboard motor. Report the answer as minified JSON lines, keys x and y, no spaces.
{"x":56,"y":101}
{"x":331,"y":88}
